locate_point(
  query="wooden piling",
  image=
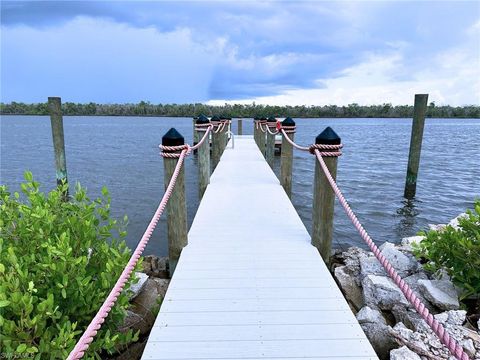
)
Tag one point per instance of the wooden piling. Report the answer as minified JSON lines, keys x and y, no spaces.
{"x":418,"y":124}
{"x":286,"y":157}
{"x":240,"y":127}
{"x":56,"y":120}
{"x":324,"y":198}
{"x":176,"y":206}
{"x":195,"y":135}
{"x":256,"y":131}
{"x":203,"y":157}
{"x":217,"y":147}
{"x":270,"y":143}
{"x":262,"y":136}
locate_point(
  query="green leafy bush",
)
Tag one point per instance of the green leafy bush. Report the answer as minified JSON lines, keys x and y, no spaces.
{"x":457,"y":251}
{"x":58,"y":262}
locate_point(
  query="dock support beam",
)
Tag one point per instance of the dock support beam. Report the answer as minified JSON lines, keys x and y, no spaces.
{"x":324,"y":198}
{"x":419,"y":111}
{"x":286,"y":157}
{"x":270,"y":148}
{"x":203,"y":155}
{"x":240,"y":127}
{"x":56,"y":120}
{"x":176,"y":206}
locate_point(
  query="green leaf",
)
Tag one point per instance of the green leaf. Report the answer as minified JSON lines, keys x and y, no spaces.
{"x":4,"y":303}
{"x":21,"y":348}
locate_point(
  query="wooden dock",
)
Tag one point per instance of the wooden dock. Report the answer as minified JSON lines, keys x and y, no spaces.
{"x":249,"y":285}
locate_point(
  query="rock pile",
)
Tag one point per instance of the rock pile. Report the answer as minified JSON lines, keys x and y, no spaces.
{"x":385,"y":315}
{"x":146,"y":298}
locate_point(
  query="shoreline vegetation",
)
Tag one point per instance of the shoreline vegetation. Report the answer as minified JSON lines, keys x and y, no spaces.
{"x":241,"y":111}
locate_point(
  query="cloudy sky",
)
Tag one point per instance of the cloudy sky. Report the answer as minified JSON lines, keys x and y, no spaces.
{"x":275,"y":52}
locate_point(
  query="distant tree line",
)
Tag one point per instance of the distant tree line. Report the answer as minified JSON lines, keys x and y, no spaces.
{"x":243,"y":111}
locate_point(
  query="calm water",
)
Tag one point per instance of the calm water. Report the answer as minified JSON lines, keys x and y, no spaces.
{"x":122,"y":153}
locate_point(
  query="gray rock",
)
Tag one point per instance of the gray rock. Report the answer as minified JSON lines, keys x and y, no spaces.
{"x":402,"y":330}
{"x":455,"y":222}
{"x":368,"y":315}
{"x":381,"y":292}
{"x":403,"y":353}
{"x":436,"y":227}
{"x":370,"y":266}
{"x":138,"y":286}
{"x":410,"y":318}
{"x":145,"y":306}
{"x":412,"y":281}
{"x":382,"y":342}
{"x":156,"y":266}
{"x":402,"y":263}
{"x":407,"y":242}
{"x":441,"y":293}
{"x":468,"y":347}
{"x":349,"y":286}
{"x":351,"y":258}
{"x":452,"y":317}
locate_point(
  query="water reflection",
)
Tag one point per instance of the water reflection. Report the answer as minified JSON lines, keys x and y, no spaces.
{"x":406,"y":216}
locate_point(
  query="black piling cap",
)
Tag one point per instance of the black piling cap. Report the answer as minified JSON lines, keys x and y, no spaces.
{"x":173,"y":138}
{"x":288,"y":122}
{"x":224,"y":117}
{"x":263,"y":118}
{"x":328,"y":137}
{"x":215,"y":118}
{"x":202,"y":119}
{"x":256,"y":118}
{"x":272,"y":119}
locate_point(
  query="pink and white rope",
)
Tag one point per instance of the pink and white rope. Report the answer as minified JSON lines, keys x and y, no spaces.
{"x":268,"y":127}
{"x":96,"y":323}
{"x":439,"y":330}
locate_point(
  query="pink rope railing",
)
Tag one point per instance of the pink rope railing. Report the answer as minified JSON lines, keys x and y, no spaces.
{"x":455,"y":348}
{"x":334,"y":150}
{"x":86,"y":339}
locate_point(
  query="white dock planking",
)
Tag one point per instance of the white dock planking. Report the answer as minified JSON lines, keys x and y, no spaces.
{"x":249,"y":285}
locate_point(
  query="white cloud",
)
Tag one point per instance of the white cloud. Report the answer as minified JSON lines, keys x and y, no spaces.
{"x":450,"y":77}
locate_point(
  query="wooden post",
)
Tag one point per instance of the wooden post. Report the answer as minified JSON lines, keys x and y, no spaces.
{"x":195,"y":134}
{"x":324,"y":198}
{"x":240,"y":127}
{"x":419,"y":111}
{"x":224,"y":132}
{"x":217,"y":147}
{"x":256,"y":131}
{"x":262,"y":137}
{"x":203,"y":157}
{"x":56,"y":120}
{"x":270,"y":147}
{"x":176,"y":206}
{"x":286,"y":158}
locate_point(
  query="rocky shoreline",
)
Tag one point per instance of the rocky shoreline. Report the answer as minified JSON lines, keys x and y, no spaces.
{"x":393,"y":327}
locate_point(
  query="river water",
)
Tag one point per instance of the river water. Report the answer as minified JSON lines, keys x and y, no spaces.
{"x":122,"y":154}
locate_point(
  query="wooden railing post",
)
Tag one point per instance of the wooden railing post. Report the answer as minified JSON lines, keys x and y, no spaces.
{"x":286,"y":157}
{"x":217,"y":147}
{"x":227,"y":121}
{"x":270,"y":146}
{"x":203,"y":156}
{"x":176,"y":206}
{"x":240,"y":127}
{"x":418,"y":124}
{"x":262,"y":136}
{"x":324,"y":198}
{"x":195,"y":134}
{"x":256,"y":131}
{"x":56,"y":120}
